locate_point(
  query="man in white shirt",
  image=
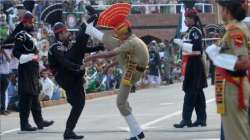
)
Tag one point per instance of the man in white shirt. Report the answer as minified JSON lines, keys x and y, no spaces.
{"x":47,"y":86}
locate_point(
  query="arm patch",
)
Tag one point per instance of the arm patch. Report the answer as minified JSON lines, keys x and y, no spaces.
{"x":237,"y":36}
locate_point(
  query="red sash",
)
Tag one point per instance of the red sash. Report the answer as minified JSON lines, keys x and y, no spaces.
{"x":184,"y":64}
{"x":239,"y":85}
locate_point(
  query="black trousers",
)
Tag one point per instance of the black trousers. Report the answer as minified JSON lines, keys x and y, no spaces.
{"x":76,"y":98}
{"x":3,"y":87}
{"x":29,"y":103}
{"x":249,"y":112}
{"x":194,"y":100}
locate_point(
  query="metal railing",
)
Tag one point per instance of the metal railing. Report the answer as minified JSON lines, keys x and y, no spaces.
{"x":161,"y":8}
{"x":143,"y":9}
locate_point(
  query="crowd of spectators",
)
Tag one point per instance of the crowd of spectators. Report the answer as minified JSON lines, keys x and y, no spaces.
{"x":164,"y":64}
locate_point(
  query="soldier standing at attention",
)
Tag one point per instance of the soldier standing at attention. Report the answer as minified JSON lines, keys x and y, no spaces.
{"x":28,"y":76}
{"x":231,"y":57}
{"x":194,"y":72}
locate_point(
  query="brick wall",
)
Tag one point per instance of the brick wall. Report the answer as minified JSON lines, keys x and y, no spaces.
{"x":162,"y":26}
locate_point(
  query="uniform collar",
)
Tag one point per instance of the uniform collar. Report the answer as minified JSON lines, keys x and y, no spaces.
{"x":62,"y":46}
{"x":131,"y":36}
{"x":230,"y":22}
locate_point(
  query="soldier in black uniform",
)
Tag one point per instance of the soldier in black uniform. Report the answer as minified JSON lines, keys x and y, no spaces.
{"x":28,"y":71}
{"x":194,"y":72}
{"x":66,"y":60}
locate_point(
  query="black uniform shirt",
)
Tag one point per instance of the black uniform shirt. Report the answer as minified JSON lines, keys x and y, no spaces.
{"x":28,"y":73}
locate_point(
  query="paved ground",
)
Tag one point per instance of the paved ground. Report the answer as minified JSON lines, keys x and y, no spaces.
{"x":156,"y":109}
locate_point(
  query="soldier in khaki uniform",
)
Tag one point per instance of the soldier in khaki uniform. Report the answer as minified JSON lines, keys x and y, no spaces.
{"x":231,"y":56}
{"x":131,"y":53}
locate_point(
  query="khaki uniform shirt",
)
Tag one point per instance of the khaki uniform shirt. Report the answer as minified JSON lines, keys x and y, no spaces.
{"x":133,"y":49}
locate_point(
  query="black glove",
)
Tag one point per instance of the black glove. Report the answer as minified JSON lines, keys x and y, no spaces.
{"x":94,"y":19}
{"x":94,"y":15}
{"x":91,"y":10}
{"x":83,"y":27}
{"x":101,"y":47}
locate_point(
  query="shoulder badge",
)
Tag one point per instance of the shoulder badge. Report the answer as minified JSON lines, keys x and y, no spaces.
{"x":21,"y":36}
{"x":236,"y":35}
{"x":60,"y":47}
{"x":195,"y":33}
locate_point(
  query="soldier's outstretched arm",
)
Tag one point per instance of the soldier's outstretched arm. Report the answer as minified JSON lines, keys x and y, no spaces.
{"x":226,"y":61}
{"x":109,"y":41}
{"x":101,"y":55}
{"x":92,"y":31}
{"x":99,"y":47}
{"x":239,"y":60}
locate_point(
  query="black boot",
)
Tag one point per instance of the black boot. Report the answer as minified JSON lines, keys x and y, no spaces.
{"x":68,"y":135}
{"x":133,"y":89}
{"x":94,"y":15}
{"x":183,"y":124}
{"x":140,"y":136}
{"x":199,"y":123}
{"x":45,"y":124}
{"x":28,"y":127}
{"x":4,"y":113}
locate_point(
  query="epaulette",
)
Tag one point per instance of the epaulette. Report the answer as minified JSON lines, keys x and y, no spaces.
{"x":195,"y":29}
{"x":236,"y":34}
{"x":55,"y":44}
{"x":21,"y":36}
{"x":59,"y":46}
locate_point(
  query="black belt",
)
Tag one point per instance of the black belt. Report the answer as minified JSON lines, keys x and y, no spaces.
{"x":140,"y":69}
{"x":239,"y":73}
{"x":4,"y":75}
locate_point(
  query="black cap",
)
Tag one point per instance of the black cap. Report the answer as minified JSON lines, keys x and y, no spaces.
{"x":59,"y":27}
{"x":27,"y":17}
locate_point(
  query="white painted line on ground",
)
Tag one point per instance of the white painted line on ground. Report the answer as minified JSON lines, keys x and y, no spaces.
{"x":9,"y":131}
{"x":50,"y":108}
{"x":127,"y":129}
{"x":161,"y":119}
{"x":169,"y":116}
{"x":164,"y":104}
{"x":124,"y":128}
{"x":147,"y":125}
{"x":208,"y":139}
{"x":144,"y":126}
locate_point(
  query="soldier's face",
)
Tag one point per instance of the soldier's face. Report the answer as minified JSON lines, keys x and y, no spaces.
{"x":66,"y":36}
{"x":121,"y":35}
{"x":189,"y":21}
{"x":29,"y":26}
{"x":224,"y":13}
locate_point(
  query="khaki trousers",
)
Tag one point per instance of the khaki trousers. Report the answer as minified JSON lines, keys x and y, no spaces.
{"x":235,"y":121}
{"x":123,"y":94}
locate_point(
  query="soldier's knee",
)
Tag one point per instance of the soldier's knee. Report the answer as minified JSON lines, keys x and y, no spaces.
{"x":78,"y":103}
{"x":81,"y":104}
{"x":123,"y":109}
{"x":120,"y":104}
